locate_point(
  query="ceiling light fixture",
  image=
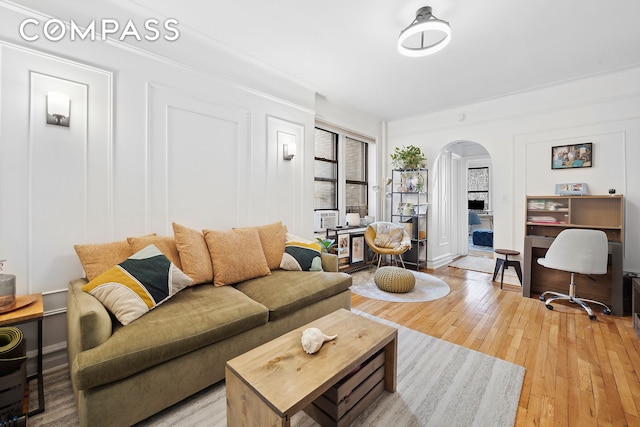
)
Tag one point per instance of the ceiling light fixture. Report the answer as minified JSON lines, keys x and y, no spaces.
{"x":425,"y":35}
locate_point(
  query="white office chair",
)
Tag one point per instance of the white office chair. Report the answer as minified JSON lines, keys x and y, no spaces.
{"x":577,"y":251}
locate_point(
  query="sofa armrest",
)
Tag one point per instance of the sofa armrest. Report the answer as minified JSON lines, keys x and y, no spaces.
{"x":329,"y":262}
{"x":88,"y":321}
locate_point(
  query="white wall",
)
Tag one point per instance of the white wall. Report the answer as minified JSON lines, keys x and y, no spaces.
{"x":519,"y":130}
{"x":152,"y":140}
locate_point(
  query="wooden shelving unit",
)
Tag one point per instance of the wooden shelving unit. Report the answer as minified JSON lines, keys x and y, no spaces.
{"x":549,"y":215}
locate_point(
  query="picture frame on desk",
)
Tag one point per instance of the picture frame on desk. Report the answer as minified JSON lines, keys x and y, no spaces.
{"x":576,"y":188}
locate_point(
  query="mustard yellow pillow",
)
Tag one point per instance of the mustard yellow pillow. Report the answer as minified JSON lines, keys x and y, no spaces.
{"x":166,"y":244}
{"x":194,"y":254}
{"x":272,"y":238}
{"x":236,"y":255}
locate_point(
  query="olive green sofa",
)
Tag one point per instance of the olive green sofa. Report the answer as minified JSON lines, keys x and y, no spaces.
{"x":124,"y":374}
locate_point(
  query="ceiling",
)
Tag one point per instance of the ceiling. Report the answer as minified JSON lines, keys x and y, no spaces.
{"x":345,"y":50}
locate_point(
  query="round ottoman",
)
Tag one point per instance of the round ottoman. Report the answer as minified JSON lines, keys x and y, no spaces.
{"x":394,"y":279}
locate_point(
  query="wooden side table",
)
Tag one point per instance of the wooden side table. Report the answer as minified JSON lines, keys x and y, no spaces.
{"x":29,"y":313}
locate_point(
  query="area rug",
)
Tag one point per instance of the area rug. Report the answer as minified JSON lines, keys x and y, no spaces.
{"x":438,"y":384}
{"x":485,"y":265}
{"x":428,"y":288}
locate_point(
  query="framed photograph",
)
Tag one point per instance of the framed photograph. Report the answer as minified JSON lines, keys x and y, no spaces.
{"x":357,"y":248}
{"x":574,"y":188}
{"x":572,"y":156}
{"x":343,"y":246}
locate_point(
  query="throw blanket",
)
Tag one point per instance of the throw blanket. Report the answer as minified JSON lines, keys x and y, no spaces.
{"x":389,"y":235}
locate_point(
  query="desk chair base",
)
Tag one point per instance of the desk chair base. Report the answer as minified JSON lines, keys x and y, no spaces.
{"x":571,"y":297}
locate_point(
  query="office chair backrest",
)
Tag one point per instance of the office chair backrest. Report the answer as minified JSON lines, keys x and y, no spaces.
{"x":578,"y":251}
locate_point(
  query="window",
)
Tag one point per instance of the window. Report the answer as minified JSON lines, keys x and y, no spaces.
{"x":326,"y":170}
{"x":340,"y":165}
{"x":356,"y":177}
{"x":478,"y":188}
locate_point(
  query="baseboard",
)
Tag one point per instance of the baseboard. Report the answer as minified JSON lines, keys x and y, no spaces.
{"x":53,"y":356}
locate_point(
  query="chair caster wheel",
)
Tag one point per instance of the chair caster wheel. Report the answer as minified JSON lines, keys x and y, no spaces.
{"x":550,"y":307}
{"x":541,"y":297}
{"x":606,"y":311}
{"x":592,"y":317}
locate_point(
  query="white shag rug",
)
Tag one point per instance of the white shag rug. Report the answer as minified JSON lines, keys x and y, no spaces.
{"x":428,"y":288}
{"x":485,"y":265}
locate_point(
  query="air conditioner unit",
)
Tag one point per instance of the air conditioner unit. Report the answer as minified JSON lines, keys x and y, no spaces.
{"x":324,"y":220}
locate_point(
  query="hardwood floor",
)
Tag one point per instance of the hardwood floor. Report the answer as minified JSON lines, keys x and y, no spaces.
{"x":579,"y":372}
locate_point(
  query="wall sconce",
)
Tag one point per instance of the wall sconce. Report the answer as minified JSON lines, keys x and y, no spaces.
{"x":288,"y":150}
{"x":58,"y":106}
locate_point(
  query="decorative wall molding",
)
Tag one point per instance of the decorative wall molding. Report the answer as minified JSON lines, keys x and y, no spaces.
{"x":196,"y":151}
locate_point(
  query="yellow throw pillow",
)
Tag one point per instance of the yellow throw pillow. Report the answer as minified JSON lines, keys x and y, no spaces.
{"x":272,"y":238}
{"x":194,"y":254}
{"x":166,"y":244}
{"x":236,"y":255}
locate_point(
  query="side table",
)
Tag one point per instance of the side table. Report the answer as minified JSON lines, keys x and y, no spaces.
{"x":30,"y":313}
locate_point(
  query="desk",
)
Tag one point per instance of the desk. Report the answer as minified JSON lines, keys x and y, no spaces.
{"x":30,"y":313}
{"x":606,"y":288}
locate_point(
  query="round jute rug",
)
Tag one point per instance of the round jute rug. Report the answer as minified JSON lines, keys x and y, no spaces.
{"x":428,"y":288}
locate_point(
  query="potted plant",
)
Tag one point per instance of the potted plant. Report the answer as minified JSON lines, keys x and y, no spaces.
{"x":410,"y":157}
{"x":325,"y":243}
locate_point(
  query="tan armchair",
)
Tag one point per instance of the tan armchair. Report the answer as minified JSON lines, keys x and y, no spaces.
{"x":393,"y":239}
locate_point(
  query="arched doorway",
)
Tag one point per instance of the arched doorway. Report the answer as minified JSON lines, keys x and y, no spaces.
{"x":452,"y":193}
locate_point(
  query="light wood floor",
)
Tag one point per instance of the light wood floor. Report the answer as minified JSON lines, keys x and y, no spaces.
{"x":578,"y":372}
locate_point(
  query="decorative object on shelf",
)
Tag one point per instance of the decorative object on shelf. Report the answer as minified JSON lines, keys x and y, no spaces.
{"x":425,"y":35}
{"x":576,"y":188}
{"x":7,"y":290}
{"x":313,"y":338}
{"x":353,"y":220}
{"x":572,"y":156}
{"x":410,"y":157}
{"x":612,"y":191}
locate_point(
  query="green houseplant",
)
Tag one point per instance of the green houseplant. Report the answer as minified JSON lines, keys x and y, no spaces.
{"x":410,"y":157}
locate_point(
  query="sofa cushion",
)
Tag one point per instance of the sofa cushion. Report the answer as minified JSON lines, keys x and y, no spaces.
{"x":194,"y":254}
{"x":169,"y":331}
{"x":284,"y":292}
{"x":299,"y":256}
{"x":236,"y":255}
{"x":166,"y":244}
{"x":140,"y":283}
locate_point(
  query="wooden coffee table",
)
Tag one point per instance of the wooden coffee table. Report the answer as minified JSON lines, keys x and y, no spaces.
{"x":270,"y":383}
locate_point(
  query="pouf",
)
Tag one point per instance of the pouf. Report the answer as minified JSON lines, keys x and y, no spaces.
{"x":394,"y":279}
{"x":483,"y":238}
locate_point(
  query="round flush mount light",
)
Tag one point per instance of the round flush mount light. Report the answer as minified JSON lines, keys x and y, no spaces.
{"x":425,"y":35}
